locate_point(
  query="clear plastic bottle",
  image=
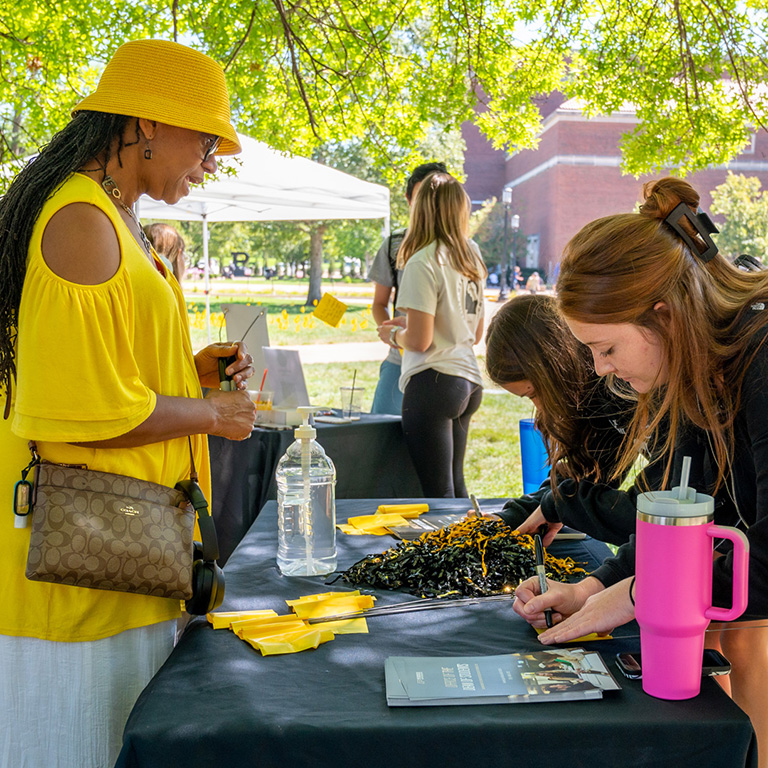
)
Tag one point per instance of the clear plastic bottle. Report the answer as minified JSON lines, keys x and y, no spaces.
{"x":306,"y":506}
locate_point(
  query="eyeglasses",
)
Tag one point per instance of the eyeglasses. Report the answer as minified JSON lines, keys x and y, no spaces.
{"x":211,"y":144}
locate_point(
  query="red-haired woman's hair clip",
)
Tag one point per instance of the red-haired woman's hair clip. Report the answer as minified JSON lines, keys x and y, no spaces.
{"x":703,"y":225}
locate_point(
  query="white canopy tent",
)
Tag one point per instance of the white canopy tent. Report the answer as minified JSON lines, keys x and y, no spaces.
{"x":267,"y":186}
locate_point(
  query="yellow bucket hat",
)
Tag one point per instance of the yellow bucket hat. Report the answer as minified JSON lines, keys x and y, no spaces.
{"x":164,"y":81}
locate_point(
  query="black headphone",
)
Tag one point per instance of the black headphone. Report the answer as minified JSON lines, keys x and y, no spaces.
{"x":207,"y":577}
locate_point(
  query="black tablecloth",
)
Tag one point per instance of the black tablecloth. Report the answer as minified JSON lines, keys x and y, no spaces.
{"x":371,"y":461}
{"x":217,"y":701}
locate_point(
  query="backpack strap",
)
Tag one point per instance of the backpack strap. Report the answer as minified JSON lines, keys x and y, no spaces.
{"x":395,"y":241}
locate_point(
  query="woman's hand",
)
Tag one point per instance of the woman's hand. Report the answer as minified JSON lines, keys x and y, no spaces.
{"x":602,"y":612}
{"x":207,"y":364}
{"x":533,"y":523}
{"x":483,"y":515}
{"x":234,"y":414}
{"x":385,"y":329}
{"x":563,"y":599}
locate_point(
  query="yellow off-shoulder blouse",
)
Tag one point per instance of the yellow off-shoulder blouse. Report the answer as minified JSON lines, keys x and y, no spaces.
{"x":91,"y":360}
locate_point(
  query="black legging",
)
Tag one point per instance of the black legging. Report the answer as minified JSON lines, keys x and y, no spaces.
{"x":437,"y":409}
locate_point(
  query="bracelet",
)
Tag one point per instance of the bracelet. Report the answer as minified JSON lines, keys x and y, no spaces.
{"x":631,"y":587}
{"x":393,"y":336}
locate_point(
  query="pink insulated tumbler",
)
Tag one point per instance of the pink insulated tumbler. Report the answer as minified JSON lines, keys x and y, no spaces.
{"x":673,"y":587}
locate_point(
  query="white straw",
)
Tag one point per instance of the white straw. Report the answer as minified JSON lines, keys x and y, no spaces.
{"x":682,"y":491}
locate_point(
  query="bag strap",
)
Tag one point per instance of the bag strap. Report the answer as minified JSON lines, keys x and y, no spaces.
{"x":192,"y":490}
{"x":194,"y":493}
{"x":399,"y":237}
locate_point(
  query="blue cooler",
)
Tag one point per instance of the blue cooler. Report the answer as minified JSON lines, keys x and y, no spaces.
{"x":534,"y":456}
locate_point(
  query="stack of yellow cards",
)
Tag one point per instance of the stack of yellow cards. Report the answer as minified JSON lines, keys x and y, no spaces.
{"x":273,"y":634}
{"x":387,"y":516}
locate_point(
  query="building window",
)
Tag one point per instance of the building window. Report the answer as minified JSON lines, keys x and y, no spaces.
{"x":532,"y":252}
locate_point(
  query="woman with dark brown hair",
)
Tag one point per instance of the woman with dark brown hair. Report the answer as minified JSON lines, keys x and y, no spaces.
{"x":531,"y":353}
{"x":666,"y":315}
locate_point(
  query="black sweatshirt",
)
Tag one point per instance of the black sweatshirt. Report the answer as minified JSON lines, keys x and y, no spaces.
{"x":743,"y":500}
{"x":598,"y":509}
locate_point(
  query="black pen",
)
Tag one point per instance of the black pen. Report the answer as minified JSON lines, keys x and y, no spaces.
{"x":225,"y":381}
{"x":542,"y":574}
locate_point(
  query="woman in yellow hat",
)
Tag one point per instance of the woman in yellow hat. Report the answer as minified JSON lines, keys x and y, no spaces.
{"x":97,"y":368}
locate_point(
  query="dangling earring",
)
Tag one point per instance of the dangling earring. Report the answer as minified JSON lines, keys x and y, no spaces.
{"x":147,"y":152}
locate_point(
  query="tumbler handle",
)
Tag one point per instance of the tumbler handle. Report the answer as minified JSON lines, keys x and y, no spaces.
{"x":740,"y":573}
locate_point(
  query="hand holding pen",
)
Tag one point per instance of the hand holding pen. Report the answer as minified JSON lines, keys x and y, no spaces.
{"x":541,"y":572}
{"x":477,"y":512}
{"x":227,"y":382}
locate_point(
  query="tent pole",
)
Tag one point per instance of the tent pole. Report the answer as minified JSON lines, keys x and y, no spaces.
{"x":207,"y":267}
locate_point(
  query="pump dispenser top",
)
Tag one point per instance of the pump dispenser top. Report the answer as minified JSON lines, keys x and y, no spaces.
{"x":305,"y":431}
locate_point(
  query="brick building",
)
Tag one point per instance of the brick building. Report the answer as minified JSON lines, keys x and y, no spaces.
{"x":574,"y":176}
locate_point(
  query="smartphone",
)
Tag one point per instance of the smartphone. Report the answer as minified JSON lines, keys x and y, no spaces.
{"x":713,"y":663}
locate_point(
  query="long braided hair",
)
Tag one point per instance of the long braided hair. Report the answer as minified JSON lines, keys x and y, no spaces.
{"x":87,"y":136}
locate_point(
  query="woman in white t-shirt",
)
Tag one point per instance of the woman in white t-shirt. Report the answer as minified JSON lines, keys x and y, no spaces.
{"x":441,"y":295}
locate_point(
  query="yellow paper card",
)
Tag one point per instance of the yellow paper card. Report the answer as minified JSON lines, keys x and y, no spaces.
{"x":405,"y":510}
{"x":370,"y":530}
{"x":225,"y":618}
{"x":333,"y":606}
{"x":350,"y":530}
{"x":344,"y":626}
{"x":330,"y":310}
{"x":292,"y":642}
{"x":320,"y":596}
{"x":584,"y":639}
{"x":272,"y":630}
{"x":367,"y":522}
{"x":277,"y":621}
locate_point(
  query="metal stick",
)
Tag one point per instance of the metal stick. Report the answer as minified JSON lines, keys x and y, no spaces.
{"x":411,"y":606}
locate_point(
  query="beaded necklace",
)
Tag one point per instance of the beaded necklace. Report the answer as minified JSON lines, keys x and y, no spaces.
{"x":110,"y":187}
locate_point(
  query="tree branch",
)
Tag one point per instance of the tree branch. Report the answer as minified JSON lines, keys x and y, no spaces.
{"x":289,"y":38}
{"x":241,"y":42}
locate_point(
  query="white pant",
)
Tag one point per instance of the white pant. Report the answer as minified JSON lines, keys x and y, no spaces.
{"x":64,"y":705}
